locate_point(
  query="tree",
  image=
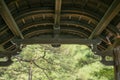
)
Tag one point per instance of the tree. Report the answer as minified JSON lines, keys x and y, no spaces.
{"x":43,"y":62}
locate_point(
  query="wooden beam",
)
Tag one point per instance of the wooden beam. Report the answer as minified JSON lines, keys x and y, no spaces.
{"x":39,"y":40}
{"x":109,"y":50}
{"x":117,"y":62}
{"x":108,"y":16}
{"x":8,"y":18}
{"x":56,"y":26}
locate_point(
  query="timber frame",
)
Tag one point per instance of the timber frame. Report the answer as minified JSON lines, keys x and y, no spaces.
{"x":56,"y":22}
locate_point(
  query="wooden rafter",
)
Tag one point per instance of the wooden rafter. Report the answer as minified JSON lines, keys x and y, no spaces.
{"x":106,"y":19}
{"x":8,"y":18}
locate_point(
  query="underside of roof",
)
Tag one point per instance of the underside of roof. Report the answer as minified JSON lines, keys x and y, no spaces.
{"x":83,"y":19}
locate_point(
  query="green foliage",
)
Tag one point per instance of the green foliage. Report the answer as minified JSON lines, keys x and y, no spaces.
{"x":105,"y":72}
{"x":69,"y":62}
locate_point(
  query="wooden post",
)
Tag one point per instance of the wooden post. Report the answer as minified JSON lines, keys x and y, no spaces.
{"x":117,"y":62}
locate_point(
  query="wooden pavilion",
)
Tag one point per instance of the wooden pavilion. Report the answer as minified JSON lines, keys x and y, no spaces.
{"x":95,"y":23}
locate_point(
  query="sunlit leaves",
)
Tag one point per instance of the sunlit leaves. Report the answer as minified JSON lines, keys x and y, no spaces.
{"x":68,"y":62}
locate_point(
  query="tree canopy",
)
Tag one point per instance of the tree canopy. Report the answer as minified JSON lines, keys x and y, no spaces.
{"x":68,"y":62}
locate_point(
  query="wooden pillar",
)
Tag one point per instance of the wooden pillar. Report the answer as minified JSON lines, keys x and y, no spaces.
{"x":117,"y":62}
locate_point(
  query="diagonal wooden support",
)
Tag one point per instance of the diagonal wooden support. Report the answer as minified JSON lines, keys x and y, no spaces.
{"x":108,"y":51}
{"x":8,"y":18}
{"x":106,"y":19}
